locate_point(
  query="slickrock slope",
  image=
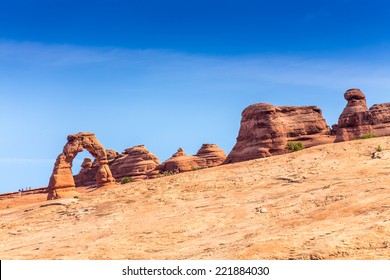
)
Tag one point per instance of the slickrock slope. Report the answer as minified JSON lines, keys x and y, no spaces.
{"x":136,"y":162}
{"x":266,"y":129}
{"x":213,"y":155}
{"x":325,"y":202}
{"x":181,"y":162}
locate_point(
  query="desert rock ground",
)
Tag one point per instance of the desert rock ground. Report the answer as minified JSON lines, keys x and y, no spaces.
{"x":325,"y":202}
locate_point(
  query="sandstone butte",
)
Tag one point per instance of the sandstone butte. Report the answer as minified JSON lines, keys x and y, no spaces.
{"x":325,"y":202}
{"x":265,"y":130}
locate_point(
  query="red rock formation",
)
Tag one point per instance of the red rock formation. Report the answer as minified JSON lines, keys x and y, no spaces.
{"x":213,"y":155}
{"x":265,"y":130}
{"x":112,"y":155}
{"x":139,"y":163}
{"x":180,"y":162}
{"x":380,"y":119}
{"x":355,"y":120}
{"x":136,"y":162}
{"x":62,"y":183}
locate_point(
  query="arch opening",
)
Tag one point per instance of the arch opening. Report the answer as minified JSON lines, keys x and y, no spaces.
{"x":78,"y":161}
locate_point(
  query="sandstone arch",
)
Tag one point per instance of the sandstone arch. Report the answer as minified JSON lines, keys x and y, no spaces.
{"x":62,"y":183}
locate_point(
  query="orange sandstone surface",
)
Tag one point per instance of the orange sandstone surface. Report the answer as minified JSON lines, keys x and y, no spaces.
{"x":325,"y":202}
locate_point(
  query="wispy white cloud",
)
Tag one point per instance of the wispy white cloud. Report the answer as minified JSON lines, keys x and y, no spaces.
{"x":164,"y":66}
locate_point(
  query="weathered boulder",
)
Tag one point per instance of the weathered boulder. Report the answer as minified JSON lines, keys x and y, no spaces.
{"x":180,"y":162}
{"x":136,"y":162}
{"x":266,"y":129}
{"x":62,"y":183}
{"x":355,"y":120}
{"x":213,"y":155}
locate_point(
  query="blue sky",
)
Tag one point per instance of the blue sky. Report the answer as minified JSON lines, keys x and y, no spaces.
{"x":173,"y":74}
